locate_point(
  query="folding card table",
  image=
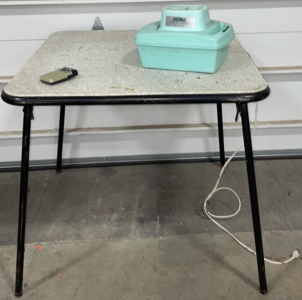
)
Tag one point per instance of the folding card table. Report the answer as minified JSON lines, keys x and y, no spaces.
{"x":110,"y":73}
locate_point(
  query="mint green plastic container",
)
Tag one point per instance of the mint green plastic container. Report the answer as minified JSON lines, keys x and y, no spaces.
{"x":185,"y":40}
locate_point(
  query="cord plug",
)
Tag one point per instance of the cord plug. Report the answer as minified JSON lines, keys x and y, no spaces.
{"x":296,"y":254}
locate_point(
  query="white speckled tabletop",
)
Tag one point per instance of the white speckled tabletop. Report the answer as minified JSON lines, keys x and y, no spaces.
{"x":109,"y":65}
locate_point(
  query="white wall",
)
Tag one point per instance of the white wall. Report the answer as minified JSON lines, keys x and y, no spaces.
{"x":270,"y":30}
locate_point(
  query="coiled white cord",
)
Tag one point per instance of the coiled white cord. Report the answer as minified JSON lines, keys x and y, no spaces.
{"x":295,"y":254}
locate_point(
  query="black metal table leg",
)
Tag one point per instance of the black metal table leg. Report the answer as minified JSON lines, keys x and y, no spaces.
{"x":220,"y":133}
{"x":60,"y":139}
{"x":253,"y":195}
{"x":23,"y":199}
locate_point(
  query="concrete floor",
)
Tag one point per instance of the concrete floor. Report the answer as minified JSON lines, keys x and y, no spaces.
{"x":137,"y":232}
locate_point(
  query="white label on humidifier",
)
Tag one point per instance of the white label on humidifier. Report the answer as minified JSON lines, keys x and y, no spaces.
{"x":180,"y":22}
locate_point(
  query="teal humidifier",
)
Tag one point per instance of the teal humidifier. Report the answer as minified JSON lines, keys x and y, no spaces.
{"x":185,"y":40}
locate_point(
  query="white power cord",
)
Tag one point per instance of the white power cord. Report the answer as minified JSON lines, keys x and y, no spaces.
{"x":295,"y":254}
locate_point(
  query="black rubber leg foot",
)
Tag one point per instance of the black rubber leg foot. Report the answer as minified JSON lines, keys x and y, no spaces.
{"x":263,"y":292}
{"x":18,"y":294}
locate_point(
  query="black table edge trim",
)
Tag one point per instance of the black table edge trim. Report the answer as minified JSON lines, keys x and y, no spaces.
{"x":152,"y":99}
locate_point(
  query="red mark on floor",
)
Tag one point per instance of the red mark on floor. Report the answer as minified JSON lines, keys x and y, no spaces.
{"x":38,"y":247}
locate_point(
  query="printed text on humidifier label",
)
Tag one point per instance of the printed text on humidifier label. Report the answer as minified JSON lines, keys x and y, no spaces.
{"x":180,"y":22}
